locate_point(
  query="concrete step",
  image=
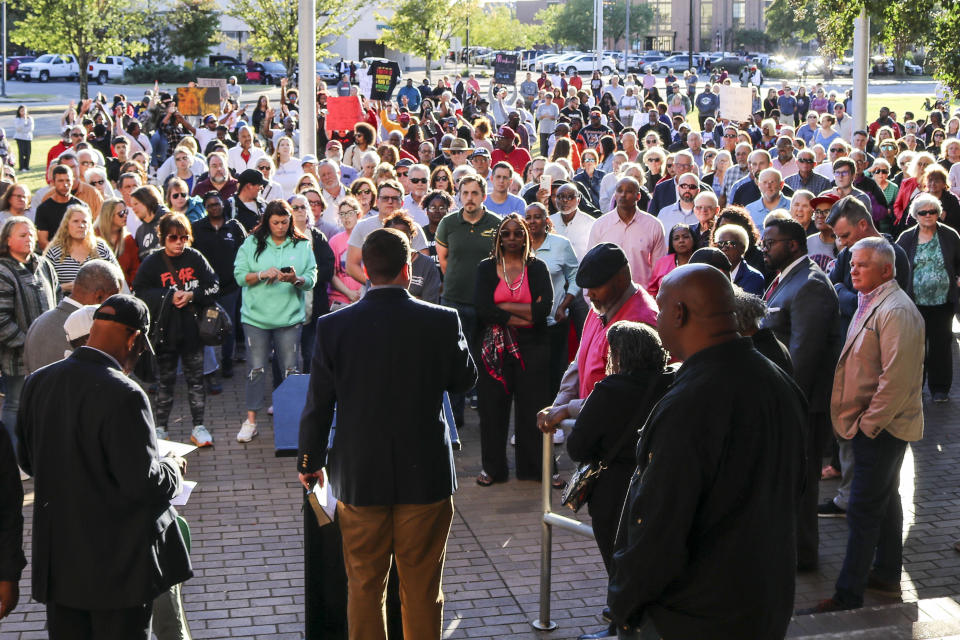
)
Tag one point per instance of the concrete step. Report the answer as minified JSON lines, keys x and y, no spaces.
{"x":931,"y":618}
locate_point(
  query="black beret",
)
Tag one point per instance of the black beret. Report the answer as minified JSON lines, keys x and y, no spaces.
{"x":600,"y":264}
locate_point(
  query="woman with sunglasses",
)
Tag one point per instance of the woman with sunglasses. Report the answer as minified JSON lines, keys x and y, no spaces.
{"x":272,"y":190}
{"x":934,"y":252}
{"x":880,"y":172}
{"x":275,"y":267}
{"x":111,"y":226}
{"x":442,"y":179}
{"x":176,"y":282}
{"x":75,"y":243}
{"x":178,"y":200}
{"x":343,"y":289}
{"x":513,"y":297}
{"x":365,"y":191}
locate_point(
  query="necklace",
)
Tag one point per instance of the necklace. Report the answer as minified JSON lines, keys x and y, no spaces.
{"x":503,"y":265}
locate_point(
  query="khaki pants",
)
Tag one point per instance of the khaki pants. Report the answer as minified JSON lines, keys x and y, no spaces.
{"x":416,"y":536}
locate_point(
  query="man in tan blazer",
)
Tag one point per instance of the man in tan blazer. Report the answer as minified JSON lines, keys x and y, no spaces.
{"x":876,"y":404}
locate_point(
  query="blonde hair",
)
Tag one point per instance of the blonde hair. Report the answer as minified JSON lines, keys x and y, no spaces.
{"x":104,"y":226}
{"x":62,"y":237}
{"x":276,"y":150}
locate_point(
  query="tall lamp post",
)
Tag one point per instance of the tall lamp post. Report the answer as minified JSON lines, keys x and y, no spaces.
{"x":690,"y":40}
{"x":308,"y":76}
{"x":3,"y":83}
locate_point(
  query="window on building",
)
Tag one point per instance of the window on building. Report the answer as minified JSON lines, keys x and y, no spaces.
{"x":706,"y":23}
{"x":739,"y":13}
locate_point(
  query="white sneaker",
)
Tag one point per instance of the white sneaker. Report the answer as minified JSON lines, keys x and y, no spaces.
{"x":24,"y":476}
{"x":513,"y":440}
{"x":248,"y":431}
{"x":558,"y":436}
{"x":162,"y":433}
{"x":270,"y":410}
{"x":201,"y":437}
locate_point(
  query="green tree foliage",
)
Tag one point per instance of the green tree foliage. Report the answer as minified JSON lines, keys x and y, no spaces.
{"x":494,"y":26}
{"x":424,"y":27}
{"x":194,"y":26}
{"x":943,"y":53}
{"x":905,"y":24}
{"x":752,"y":39}
{"x":84,"y":28}
{"x":789,"y":20}
{"x":615,"y":17}
{"x":275,"y":25}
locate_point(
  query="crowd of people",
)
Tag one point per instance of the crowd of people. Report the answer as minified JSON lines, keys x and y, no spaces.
{"x":569,"y":228}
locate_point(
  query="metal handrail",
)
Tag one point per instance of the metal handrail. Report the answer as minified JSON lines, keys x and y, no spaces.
{"x":550,"y":520}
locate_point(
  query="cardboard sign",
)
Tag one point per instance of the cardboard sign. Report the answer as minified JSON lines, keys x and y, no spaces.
{"x":343,"y":112}
{"x":505,"y":68}
{"x":197,"y":101}
{"x":736,"y":103}
{"x":220,"y":83}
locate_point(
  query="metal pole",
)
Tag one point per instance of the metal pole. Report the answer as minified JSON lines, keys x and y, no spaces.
{"x":308,"y":77}
{"x":467,"y":54}
{"x":543,"y":623}
{"x":628,"y":45}
{"x":690,"y":40}
{"x":861,"y":60}
{"x":597,"y":33}
{"x":3,"y":85}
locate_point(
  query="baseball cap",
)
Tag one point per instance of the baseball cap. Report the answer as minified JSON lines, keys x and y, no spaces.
{"x":826,"y":198}
{"x":404,"y":162}
{"x":308,"y":159}
{"x":251,"y":176}
{"x":333,"y":143}
{"x":79,"y":322}
{"x":507,"y":132}
{"x":479,"y":151}
{"x":127,"y":310}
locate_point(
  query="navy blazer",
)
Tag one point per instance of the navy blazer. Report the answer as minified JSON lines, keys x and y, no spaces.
{"x":804,"y":314}
{"x":104,"y":533}
{"x":750,"y":280}
{"x":384,"y":363}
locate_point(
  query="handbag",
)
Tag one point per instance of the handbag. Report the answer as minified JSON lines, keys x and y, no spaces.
{"x":213,"y":321}
{"x":578,"y":488}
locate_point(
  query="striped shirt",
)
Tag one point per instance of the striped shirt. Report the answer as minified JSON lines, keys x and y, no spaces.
{"x":67,"y":267}
{"x":731,"y":177}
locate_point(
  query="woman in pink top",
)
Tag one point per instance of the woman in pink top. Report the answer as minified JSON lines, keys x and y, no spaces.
{"x":343,"y":289}
{"x":513,"y":296}
{"x":679,"y":249}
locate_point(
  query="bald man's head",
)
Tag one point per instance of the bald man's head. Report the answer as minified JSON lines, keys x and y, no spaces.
{"x":697,"y":309}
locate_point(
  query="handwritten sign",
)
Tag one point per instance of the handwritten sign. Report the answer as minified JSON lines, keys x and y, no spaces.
{"x":220,"y":83}
{"x":736,"y":103}
{"x":197,"y":101}
{"x":505,"y":68}
{"x":343,"y":112}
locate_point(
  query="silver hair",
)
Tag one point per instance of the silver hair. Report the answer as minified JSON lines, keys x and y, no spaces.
{"x":751,"y":309}
{"x":882,"y":250}
{"x":922,"y":201}
{"x":634,"y":347}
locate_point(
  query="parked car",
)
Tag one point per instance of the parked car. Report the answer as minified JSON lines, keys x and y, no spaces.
{"x":912,"y":69}
{"x":265,"y":72}
{"x":231,"y":64}
{"x":106,"y":68}
{"x":678,"y":63}
{"x":583,"y":63}
{"x":13,"y":62}
{"x":327,"y":73}
{"x":50,"y":65}
{"x":732,"y":64}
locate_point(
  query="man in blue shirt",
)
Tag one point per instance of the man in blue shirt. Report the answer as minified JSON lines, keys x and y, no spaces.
{"x":770,"y":183}
{"x":411,"y":94}
{"x":808,"y":128}
{"x":788,"y":108}
{"x":500,"y":201}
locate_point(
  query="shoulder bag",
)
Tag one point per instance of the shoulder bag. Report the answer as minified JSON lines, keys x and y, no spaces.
{"x":213,"y":321}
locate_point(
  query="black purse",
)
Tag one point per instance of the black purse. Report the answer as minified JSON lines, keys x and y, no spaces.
{"x":580,"y":485}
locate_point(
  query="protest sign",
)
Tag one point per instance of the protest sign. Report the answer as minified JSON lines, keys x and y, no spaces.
{"x":735,"y":103}
{"x":197,"y":101}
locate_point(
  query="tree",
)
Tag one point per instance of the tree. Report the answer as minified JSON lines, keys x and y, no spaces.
{"x":84,"y":28}
{"x":943,"y":54}
{"x":788,"y":20}
{"x":275,"y":25}
{"x":424,"y":27}
{"x":495,"y":27}
{"x":906,"y":24}
{"x":751,"y":39}
{"x":615,"y":17}
{"x":571,"y":24}
{"x":194,"y":26}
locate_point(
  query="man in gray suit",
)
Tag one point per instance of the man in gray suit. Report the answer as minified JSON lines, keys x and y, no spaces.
{"x":803,"y":312}
{"x":46,"y":340}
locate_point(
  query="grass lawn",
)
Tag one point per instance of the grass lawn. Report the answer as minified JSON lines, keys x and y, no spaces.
{"x":38,"y":161}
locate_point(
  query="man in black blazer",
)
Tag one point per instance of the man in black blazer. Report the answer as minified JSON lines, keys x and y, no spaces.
{"x":383,"y":363}
{"x":105,"y":539}
{"x":803,"y":312}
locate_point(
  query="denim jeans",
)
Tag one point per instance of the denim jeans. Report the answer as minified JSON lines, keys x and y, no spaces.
{"x":229,"y":302}
{"x":160,"y":147}
{"x":874,"y":517}
{"x":11,"y":405}
{"x":284,"y":342}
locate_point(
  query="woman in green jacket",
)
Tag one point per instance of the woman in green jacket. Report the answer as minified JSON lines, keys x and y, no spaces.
{"x":274,"y":267}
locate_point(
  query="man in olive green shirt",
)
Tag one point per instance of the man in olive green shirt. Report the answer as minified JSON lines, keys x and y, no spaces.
{"x":464,"y":238}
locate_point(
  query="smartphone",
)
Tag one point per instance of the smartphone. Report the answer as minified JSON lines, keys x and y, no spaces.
{"x":286,"y":270}
{"x":546,"y":182}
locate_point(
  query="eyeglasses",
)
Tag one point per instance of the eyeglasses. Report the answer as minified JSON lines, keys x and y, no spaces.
{"x":401,"y":175}
{"x":768,"y":244}
{"x":688,"y":186}
{"x":263,"y":168}
{"x":566,"y":197}
{"x":76,"y":135}
{"x":86,"y":163}
{"x":886,"y":171}
{"x":729,"y":135}
{"x":299,"y":207}
{"x":590,"y":160}
{"x":842,"y":174}
{"x":364,"y":192}
{"x":821,"y":213}
{"x":927,"y":212}
{"x":438,"y":179}
{"x":437,"y":209}
{"x":315,"y":203}
{"x":175,"y":238}
{"x":837,"y":150}
{"x":724,"y":244}
{"x":348,"y":212}
{"x":390,"y":198}
{"x":122,"y":214}
{"x":418,"y":181}
{"x":95,"y":183}
{"x":657,"y":160}
{"x":177,"y":195}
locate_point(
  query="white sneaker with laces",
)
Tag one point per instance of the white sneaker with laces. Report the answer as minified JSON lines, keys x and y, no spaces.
{"x":248,"y":431}
{"x":201,"y":437}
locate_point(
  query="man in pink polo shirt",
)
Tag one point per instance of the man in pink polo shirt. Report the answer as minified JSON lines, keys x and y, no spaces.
{"x":605,"y":277}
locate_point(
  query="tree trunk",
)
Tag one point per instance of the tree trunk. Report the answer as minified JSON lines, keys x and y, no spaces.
{"x":429,"y":64}
{"x":83,"y":60}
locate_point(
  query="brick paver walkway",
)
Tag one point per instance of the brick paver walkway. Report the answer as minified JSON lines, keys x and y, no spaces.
{"x":247,"y":541}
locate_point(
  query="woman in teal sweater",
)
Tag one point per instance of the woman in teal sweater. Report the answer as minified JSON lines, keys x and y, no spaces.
{"x":274,"y":267}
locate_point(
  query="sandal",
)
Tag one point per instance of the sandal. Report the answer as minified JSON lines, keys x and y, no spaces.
{"x":557,"y":482}
{"x":829,"y":473}
{"x":484,"y":480}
